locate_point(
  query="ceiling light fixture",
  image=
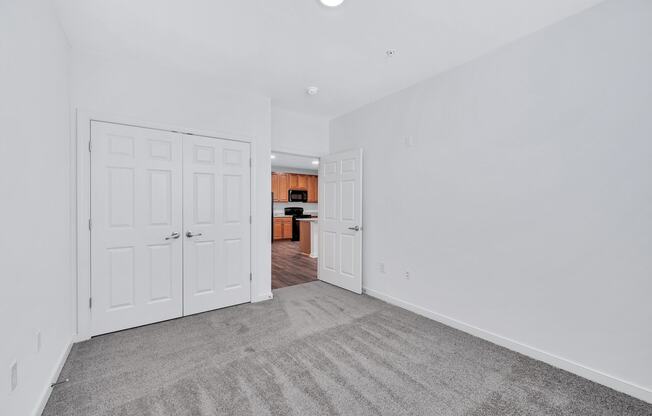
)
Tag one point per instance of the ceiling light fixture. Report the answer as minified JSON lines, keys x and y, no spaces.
{"x":390,"y":53}
{"x":315,"y":162}
{"x":312,"y":90}
{"x":331,"y":3}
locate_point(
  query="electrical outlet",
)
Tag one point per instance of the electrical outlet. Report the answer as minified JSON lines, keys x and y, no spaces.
{"x":38,"y":341}
{"x":14,"y":376}
{"x":381,"y":268}
{"x":406,"y":275}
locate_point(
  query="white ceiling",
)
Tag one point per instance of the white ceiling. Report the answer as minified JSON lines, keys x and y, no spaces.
{"x":290,"y":161}
{"x":279,"y":47}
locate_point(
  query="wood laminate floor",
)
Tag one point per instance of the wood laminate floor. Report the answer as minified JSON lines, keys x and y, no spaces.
{"x":289,"y":266}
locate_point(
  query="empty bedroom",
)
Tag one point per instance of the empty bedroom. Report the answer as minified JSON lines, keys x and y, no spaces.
{"x":326,"y":207}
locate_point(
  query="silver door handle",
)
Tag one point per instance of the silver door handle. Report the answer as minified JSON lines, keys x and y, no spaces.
{"x":191,"y":235}
{"x":173,"y":236}
{"x":355,"y":228}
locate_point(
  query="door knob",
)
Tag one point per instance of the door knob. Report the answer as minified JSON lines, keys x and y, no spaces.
{"x":173,"y":236}
{"x":355,"y":228}
{"x":191,"y":235}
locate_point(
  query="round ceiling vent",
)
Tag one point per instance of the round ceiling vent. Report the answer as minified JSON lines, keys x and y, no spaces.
{"x":312,"y":90}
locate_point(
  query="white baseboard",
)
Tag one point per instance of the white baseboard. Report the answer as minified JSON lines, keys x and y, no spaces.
{"x":53,"y":378}
{"x":615,"y":383}
{"x":263,"y":297}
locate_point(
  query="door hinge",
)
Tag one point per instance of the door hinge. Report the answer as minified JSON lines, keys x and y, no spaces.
{"x":90,"y":224}
{"x":250,"y":219}
{"x":251,"y":162}
{"x":90,"y":303}
{"x":89,"y":146}
{"x":251,"y":276}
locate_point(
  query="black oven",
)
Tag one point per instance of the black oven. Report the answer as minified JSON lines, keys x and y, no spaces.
{"x":295,"y":195}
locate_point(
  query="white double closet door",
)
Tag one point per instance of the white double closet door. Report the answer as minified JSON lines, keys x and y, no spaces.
{"x":170,"y":231}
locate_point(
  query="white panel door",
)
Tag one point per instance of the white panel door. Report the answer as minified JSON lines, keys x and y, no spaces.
{"x":340,"y":220}
{"x":136,"y":257}
{"x":216,"y":223}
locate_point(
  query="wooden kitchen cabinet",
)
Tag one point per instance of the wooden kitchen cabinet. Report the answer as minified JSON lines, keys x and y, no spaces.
{"x":313,"y":188}
{"x":283,"y":182}
{"x":278,"y":229}
{"x":287,"y":229}
{"x":275,"y":189}
{"x":283,"y":187}
{"x":302,"y":181}
{"x":282,"y":228}
{"x":293,"y":180}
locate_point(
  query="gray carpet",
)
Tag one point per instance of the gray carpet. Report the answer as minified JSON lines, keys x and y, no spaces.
{"x":317,"y":350}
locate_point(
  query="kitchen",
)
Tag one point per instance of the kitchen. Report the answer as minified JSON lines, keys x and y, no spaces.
{"x":295,"y":199}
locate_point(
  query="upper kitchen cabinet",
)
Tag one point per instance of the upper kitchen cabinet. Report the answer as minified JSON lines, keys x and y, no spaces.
{"x":302,"y":181}
{"x":293,"y":180}
{"x":280,"y":187}
{"x":275,"y":188}
{"x":313,"y":189}
{"x":283,"y":182}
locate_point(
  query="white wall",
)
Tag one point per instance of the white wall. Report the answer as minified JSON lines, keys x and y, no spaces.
{"x":36,"y":273}
{"x":524,"y":207}
{"x":299,"y":133}
{"x":155,"y":94}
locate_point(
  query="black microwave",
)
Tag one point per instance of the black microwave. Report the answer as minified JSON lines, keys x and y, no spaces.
{"x":295,"y":195}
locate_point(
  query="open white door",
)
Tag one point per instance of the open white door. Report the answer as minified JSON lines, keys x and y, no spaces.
{"x":340,"y":220}
{"x":136,"y":258}
{"x":216,"y":186}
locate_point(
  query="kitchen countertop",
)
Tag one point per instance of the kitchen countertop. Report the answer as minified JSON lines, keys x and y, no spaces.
{"x":313,"y":219}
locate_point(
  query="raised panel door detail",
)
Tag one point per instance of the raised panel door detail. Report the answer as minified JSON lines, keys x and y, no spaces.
{"x":160,"y":272}
{"x":233,"y":262}
{"x":121,"y":145}
{"x":217,"y":252}
{"x":204,"y":196}
{"x":160,"y":197}
{"x":347,"y":200}
{"x":204,"y":155}
{"x":161,"y":150}
{"x":348,"y":165}
{"x":330,"y":250}
{"x":121,"y":277}
{"x":136,"y":191}
{"x":232,"y":157}
{"x":232,"y":198}
{"x":330,"y":190}
{"x":121,"y":189}
{"x":205,"y":268}
{"x":340,"y":220}
{"x":347,"y":254}
{"x":330,"y":168}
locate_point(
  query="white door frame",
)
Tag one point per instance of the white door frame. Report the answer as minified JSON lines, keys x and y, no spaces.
{"x":82,"y":188}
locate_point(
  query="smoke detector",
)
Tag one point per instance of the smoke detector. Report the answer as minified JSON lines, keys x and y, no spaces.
{"x":312,"y":90}
{"x":390,"y":53}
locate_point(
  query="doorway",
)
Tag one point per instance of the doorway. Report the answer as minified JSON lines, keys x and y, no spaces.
{"x":295,"y":209}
